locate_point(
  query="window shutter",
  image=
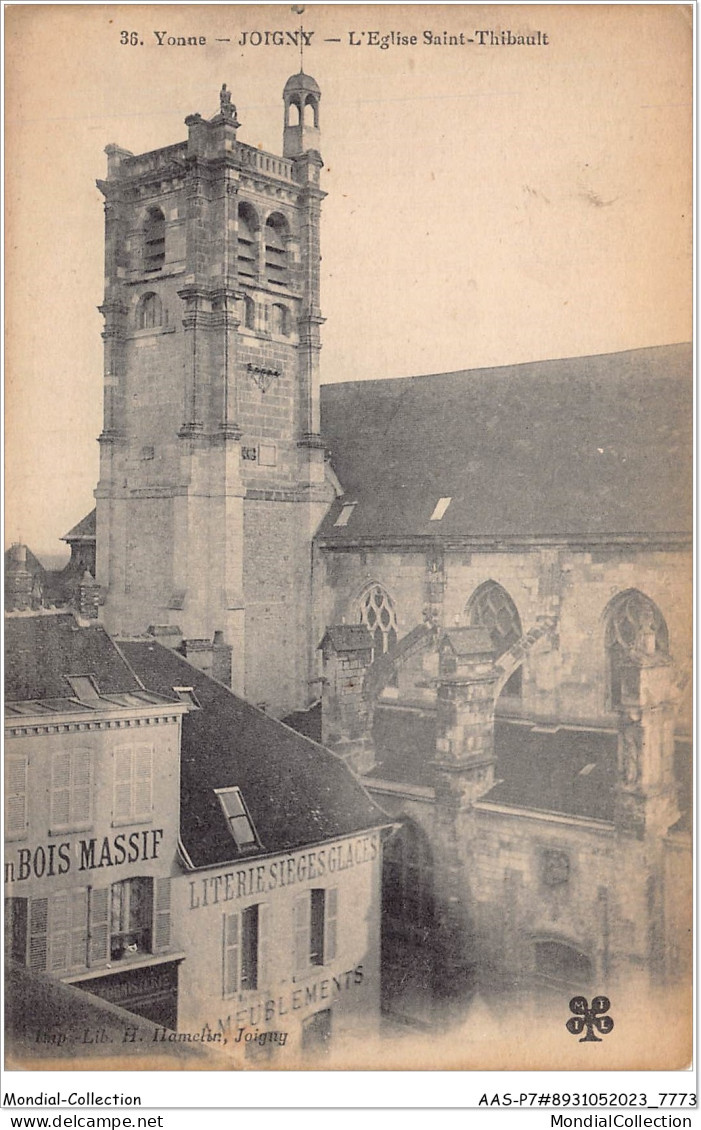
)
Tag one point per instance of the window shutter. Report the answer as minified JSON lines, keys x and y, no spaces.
{"x":81,"y":787}
{"x":122,"y":784}
{"x":16,"y":795}
{"x":330,"y":920}
{"x":59,"y":931}
{"x":141,"y":796}
{"x":38,"y":930}
{"x":302,"y":910}
{"x":161,"y":915}
{"x":262,"y":945}
{"x":78,"y":957}
{"x":231,"y":954}
{"x":99,"y":929}
{"x":61,"y":788}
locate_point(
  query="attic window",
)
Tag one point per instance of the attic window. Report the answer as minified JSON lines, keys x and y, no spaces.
{"x":240,"y":823}
{"x":84,"y":688}
{"x":188,"y":696}
{"x":344,"y":517}
{"x":441,"y":507}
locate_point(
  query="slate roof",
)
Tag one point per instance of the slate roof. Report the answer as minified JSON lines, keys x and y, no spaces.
{"x":296,"y":792}
{"x":535,"y":770}
{"x":85,"y":530}
{"x":468,"y":641}
{"x":574,"y":448}
{"x":36,"y":1002}
{"x":40,"y":650}
{"x":347,"y":637}
{"x":30,"y":564}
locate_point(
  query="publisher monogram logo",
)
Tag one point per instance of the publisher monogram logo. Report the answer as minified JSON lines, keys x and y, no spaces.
{"x":589,"y":1017}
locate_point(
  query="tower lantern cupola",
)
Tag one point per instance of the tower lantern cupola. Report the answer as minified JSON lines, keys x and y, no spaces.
{"x":301,"y":97}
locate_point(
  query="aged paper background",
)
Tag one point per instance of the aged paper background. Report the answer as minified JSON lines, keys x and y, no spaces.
{"x":484,"y":206}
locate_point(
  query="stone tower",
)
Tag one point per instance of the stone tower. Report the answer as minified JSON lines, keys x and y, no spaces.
{"x":212,"y":468}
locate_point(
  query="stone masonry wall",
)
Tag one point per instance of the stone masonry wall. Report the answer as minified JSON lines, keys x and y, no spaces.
{"x":566,"y":681}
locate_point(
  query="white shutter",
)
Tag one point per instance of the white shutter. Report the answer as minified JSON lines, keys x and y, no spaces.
{"x":121,"y":808}
{"x":330,"y":920}
{"x":99,"y":928}
{"x":59,"y":931}
{"x":38,"y":930}
{"x":142,"y":781}
{"x":78,"y":956}
{"x":302,"y":922}
{"x":81,"y":786}
{"x":161,"y":915}
{"x":262,"y":945}
{"x":16,"y":794}
{"x":61,"y":789}
{"x":231,"y":946}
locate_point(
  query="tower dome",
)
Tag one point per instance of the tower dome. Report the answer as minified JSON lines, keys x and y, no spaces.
{"x":301,"y":97}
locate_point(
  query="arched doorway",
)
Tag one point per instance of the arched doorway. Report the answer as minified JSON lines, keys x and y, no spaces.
{"x":407,"y":924}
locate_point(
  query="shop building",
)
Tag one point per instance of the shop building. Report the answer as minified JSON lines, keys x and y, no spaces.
{"x":91,"y":815}
{"x":278,"y":902}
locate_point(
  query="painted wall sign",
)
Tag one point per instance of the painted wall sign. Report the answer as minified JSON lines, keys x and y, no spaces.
{"x":273,"y":874}
{"x":48,"y":860}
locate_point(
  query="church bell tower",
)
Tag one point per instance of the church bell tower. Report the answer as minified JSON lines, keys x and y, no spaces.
{"x":212,"y":468}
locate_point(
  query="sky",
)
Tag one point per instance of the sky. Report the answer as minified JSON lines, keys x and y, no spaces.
{"x":487,"y":204}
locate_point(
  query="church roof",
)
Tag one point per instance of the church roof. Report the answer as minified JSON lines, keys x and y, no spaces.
{"x":302,"y":82}
{"x":84,"y":530}
{"x":295,"y":791}
{"x":580,"y":448}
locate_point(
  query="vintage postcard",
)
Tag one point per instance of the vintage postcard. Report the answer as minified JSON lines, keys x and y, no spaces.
{"x":348,"y":619}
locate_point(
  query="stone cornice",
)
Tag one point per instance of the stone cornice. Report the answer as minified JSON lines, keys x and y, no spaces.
{"x":582,"y":543}
{"x":67,"y":724}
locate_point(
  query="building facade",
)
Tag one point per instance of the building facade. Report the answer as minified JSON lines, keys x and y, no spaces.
{"x":91,"y":816}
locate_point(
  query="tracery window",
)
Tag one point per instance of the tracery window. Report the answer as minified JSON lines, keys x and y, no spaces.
{"x":492,"y":608}
{"x":634,"y":626}
{"x":378,"y":614}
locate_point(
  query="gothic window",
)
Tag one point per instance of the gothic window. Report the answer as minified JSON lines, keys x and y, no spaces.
{"x":276,"y":249}
{"x":154,"y":240}
{"x":407,"y":882}
{"x":492,"y":608}
{"x":280,"y":321}
{"x":378,"y":614}
{"x":149,"y":312}
{"x":247,"y":241}
{"x":634,"y":626}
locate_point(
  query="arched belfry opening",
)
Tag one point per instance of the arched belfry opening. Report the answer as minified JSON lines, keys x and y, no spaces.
{"x":491,"y":607}
{"x":301,"y":97}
